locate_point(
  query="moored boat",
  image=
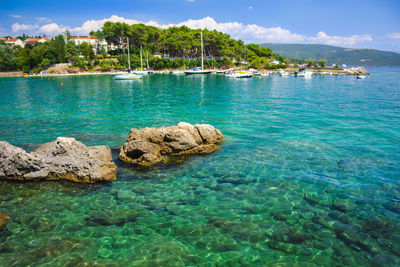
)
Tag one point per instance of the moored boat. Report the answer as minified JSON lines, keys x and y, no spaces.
{"x":128,"y":76}
{"x":283,"y":73}
{"x":177,"y":72}
{"x":239,"y":74}
{"x":304,"y":73}
{"x":199,"y":70}
{"x":118,"y":73}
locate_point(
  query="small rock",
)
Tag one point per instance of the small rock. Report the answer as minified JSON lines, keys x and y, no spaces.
{"x":3,"y":220}
{"x":145,"y":146}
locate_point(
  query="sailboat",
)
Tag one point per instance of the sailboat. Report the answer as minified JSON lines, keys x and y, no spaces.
{"x":128,"y":76}
{"x":141,"y":71}
{"x":199,"y":70}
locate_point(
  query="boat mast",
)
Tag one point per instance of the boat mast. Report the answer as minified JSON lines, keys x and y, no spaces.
{"x":147,"y":60}
{"x":202,"y":60}
{"x":141,"y":60}
{"x":129,"y":60}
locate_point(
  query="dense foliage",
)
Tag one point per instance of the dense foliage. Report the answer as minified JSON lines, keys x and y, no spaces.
{"x":184,"y":43}
{"x":176,"y":47}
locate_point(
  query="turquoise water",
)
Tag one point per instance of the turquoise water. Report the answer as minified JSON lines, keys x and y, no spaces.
{"x":309,"y":173}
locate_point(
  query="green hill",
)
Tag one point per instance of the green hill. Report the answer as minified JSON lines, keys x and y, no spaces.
{"x":334,"y":54}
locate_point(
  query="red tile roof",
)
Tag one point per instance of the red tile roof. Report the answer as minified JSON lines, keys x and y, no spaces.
{"x":11,"y":39}
{"x":83,"y":37}
{"x":35,"y":40}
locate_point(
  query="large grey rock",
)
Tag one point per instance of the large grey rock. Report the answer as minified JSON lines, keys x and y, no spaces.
{"x":146,"y":146}
{"x":64,"y":158}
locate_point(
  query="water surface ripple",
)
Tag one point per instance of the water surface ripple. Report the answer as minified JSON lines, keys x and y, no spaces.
{"x":309,"y":173}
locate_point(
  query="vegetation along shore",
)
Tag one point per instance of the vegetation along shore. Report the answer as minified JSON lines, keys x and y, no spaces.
{"x":162,"y":49}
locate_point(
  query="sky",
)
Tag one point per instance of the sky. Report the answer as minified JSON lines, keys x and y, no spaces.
{"x":347,"y":23}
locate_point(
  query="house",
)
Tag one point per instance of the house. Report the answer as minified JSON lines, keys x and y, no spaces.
{"x":14,"y":41}
{"x":37,"y":40}
{"x":92,"y":40}
{"x":274,"y":62}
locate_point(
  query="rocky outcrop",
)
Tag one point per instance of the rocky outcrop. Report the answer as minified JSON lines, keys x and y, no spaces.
{"x":3,"y":220}
{"x":63,"y":159}
{"x":355,"y":71}
{"x":147,"y":146}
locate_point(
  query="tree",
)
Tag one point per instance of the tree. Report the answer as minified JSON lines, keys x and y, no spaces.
{"x":67,"y":34}
{"x":59,"y":45}
{"x":8,"y":61}
{"x":71,"y":50}
{"x":322,"y":63}
{"x":45,"y":63}
{"x":87,"y":50}
{"x":310,"y":62}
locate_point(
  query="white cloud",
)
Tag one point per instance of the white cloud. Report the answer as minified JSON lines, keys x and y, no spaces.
{"x":246,"y":32}
{"x":191,"y":1}
{"x":250,"y":7}
{"x":323,"y":38}
{"x":42,"y":19}
{"x":395,"y":35}
{"x":16,"y":16}
{"x":52,"y":29}
{"x":17,"y":27}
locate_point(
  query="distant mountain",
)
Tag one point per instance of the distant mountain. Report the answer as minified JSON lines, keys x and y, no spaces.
{"x":334,"y":54}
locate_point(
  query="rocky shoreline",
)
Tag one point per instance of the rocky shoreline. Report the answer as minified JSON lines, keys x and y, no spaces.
{"x":349,"y":71}
{"x":68,"y":159}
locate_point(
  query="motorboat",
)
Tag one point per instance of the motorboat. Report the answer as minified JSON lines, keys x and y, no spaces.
{"x":283,"y":73}
{"x":361,"y":77}
{"x":304,"y":73}
{"x":239,"y":74}
{"x":265,"y":73}
{"x":128,"y":76}
{"x":178,"y":72}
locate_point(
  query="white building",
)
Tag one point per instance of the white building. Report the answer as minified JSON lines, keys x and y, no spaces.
{"x":92,"y":40}
{"x":14,"y":41}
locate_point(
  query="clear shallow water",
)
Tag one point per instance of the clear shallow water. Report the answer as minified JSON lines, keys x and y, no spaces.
{"x":309,"y":173}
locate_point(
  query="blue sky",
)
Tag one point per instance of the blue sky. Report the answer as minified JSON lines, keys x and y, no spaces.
{"x":350,"y":23}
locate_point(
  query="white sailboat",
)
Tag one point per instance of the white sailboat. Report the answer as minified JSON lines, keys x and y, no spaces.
{"x":141,"y":71}
{"x":127,"y":76}
{"x":199,"y":70}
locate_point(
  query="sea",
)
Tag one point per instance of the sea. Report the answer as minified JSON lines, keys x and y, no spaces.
{"x":309,"y":174}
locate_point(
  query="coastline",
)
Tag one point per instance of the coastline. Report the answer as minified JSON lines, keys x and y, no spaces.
{"x":88,"y":73}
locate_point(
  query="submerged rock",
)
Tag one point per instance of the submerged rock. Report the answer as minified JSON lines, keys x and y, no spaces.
{"x":3,"y":220}
{"x":146,"y":146}
{"x":110,"y":217}
{"x":63,"y":159}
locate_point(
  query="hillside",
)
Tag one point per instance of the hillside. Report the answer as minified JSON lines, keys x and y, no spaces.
{"x":334,"y":54}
